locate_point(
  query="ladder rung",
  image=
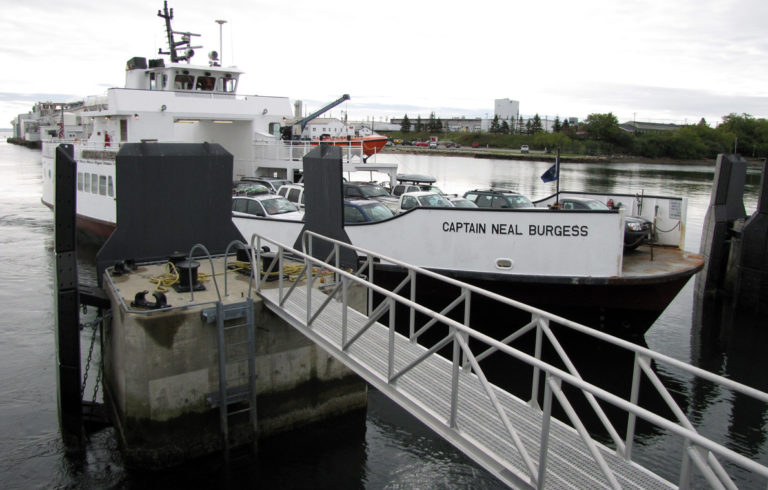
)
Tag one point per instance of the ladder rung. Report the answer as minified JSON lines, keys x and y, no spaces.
{"x":242,"y":410}
{"x":232,"y":327}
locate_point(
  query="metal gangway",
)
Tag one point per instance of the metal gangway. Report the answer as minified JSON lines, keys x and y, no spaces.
{"x":518,"y":440}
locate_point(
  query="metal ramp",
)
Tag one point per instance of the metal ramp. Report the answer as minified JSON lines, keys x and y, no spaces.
{"x":426,"y":391}
{"x":517,"y":440}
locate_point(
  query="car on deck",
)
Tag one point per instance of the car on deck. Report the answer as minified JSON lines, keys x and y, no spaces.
{"x":266,"y":206}
{"x":365,"y":211}
{"x":369,"y":190}
{"x":422,"y":199}
{"x":637,"y":229}
{"x":498,"y":199}
{"x":271,"y":183}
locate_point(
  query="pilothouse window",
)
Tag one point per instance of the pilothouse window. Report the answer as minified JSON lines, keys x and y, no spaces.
{"x":184,"y":82}
{"x":205,"y":83}
{"x":228,"y":84}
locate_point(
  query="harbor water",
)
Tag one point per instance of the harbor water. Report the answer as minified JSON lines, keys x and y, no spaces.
{"x":384,"y":447}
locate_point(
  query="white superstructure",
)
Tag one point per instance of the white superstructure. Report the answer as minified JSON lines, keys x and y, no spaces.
{"x":167,"y":102}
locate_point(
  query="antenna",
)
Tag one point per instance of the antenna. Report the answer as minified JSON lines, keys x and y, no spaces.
{"x":173,"y":46}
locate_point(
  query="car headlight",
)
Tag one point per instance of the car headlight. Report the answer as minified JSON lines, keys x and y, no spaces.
{"x":635,"y":226}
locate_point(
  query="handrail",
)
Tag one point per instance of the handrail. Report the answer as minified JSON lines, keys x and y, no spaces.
{"x":460,"y":334}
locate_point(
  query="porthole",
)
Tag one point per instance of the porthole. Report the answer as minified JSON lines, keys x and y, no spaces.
{"x":504,"y":264}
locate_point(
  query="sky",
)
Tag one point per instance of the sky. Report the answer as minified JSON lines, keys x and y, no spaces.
{"x":673,"y":61}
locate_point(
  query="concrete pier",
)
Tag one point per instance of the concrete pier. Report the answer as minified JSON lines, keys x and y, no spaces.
{"x":161,"y":367}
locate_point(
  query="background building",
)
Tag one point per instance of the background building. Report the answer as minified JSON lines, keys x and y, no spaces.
{"x":506,"y":109}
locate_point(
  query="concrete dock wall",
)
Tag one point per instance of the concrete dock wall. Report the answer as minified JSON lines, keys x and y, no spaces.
{"x":160,"y":365}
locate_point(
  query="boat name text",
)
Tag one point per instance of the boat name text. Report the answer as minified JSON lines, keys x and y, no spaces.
{"x":515,"y":229}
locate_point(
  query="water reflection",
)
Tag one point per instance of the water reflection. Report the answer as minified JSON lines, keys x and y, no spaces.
{"x":731,"y":342}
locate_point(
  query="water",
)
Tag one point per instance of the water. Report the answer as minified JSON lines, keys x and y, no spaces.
{"x":389,"y":449}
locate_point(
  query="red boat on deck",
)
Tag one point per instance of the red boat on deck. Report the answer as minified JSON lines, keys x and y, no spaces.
{"x":371,"y":144}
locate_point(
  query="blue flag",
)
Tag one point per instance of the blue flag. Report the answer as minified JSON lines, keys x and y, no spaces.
{"x":551,"y":174}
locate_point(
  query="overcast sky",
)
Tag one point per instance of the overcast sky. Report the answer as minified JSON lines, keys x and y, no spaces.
{"x":655,"y":60}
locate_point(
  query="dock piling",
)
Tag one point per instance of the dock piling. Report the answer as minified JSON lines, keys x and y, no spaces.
{"x":67,"y":302}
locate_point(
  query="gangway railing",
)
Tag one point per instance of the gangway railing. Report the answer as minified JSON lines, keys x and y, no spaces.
{"x":519,"y":454}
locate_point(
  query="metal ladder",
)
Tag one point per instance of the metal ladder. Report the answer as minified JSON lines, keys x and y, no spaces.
{"x":241,"y":398}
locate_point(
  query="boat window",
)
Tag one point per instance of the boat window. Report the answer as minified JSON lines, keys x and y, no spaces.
{"x":206,"y":84}
{"x":228,"y":84}
{"x":152,"y":81}
{"x":184,"y":82}
{"x":103,"y":185}
{"x":87,"y":182}
{"x":94,"y":184}
{"x":110,"y":187}
{"x":79,"y":181}
{"x":274,"y":128}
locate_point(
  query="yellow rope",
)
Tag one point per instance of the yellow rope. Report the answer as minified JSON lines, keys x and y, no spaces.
{"x":171,"y":274}
{"x":167,"y":279}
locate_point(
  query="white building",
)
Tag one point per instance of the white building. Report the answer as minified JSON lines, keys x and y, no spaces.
{"x":506,"y":109}
{"x":326,"y":126}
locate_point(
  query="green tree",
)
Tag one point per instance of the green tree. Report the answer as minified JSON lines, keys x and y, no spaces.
{"x":528,"y":127}
{"x":432,"y":123}
{"x":405,"y":125}
{"x":504,"y":127}
{"x":419,"y":124}
{"x":556,"y":127}
{"x":604,"y":128}
{"x":495,"y":128}
{"x":536,"y":126}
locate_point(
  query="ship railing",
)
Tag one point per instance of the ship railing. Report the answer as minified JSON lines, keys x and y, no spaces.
{"x":470,"y":348}
{"x":667,"y":214}
{"x":286,"y":150}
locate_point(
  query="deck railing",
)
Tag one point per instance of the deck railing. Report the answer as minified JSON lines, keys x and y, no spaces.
{"x":470,"y":348}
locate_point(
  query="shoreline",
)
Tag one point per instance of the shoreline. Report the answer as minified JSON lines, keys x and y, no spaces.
{"x":502,"y":154}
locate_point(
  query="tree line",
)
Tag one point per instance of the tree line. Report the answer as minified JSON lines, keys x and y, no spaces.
{"x":601,"y":134}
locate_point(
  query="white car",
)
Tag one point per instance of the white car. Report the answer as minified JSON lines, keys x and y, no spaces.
{"x":524,"y":149}
{"x":422,"y":199}
{"x":267,"y":206}
{"x":294,"y":193}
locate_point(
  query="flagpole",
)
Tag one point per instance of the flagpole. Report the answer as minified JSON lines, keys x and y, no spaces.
{"x":557,"y":173}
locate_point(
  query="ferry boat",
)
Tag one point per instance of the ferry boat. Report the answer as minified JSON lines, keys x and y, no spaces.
{"x":571,"y":263}
{"x":172,"y":100}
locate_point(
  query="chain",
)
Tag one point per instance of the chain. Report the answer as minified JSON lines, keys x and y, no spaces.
{"x":93,"y":324}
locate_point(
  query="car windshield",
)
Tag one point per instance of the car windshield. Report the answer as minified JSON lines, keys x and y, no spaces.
{"x":596,"y":205}
{"x":519,"y":201}
{"x":278,"y":205}
{"x":434,"y":201}
{"x":587,"y":204}
{"x":373,"y":191}
{"x":377,"y":211}
{"x":463,"y":203}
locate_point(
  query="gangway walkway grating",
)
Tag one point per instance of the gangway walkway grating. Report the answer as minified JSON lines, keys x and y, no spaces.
{"x":517,"y":440}
{"x":426,"y":389}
